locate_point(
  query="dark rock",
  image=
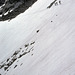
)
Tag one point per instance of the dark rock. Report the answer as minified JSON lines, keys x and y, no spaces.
{"x":20,"y":48}
{"x":31,"y":54}
{"x":15,"y":66}
{"x":2,"y":2}
{"x":20,"y":56}
{"x":1,"y":66}
{"x":26,"y":45}
{"x":8,"y":59}
{"x":51,"y":21}
{"x":5,"y":68}
{"x":32,"y":43}
{"x":16,"y":52}
{"x":25,"y":4}
{"x":21,"y":64}
{"x":14,"y":59}
{"x":37,"y":31}
{"x":51,"y":4}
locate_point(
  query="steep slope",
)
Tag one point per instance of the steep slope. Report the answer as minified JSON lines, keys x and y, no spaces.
{"x":40,"y":41}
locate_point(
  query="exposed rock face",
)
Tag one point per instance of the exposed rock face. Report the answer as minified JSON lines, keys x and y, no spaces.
{"x":12,"y":8}
{"x":2,"y":2}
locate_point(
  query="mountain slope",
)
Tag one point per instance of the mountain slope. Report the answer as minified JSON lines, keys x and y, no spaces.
{"x":43,"y":38}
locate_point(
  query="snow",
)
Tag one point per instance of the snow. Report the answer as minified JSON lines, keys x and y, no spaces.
{"x":53,"y":51}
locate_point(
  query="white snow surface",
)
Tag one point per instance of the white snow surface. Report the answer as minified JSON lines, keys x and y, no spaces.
{"x":54,"y":49}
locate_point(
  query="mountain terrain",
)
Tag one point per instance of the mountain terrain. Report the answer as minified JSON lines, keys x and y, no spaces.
{"x":40,"y":40}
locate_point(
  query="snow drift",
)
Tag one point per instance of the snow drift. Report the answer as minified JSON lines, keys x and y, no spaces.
{"x":41,"y":41}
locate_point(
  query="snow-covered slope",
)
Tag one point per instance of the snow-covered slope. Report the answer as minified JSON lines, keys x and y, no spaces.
{"x":40,"y":41}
